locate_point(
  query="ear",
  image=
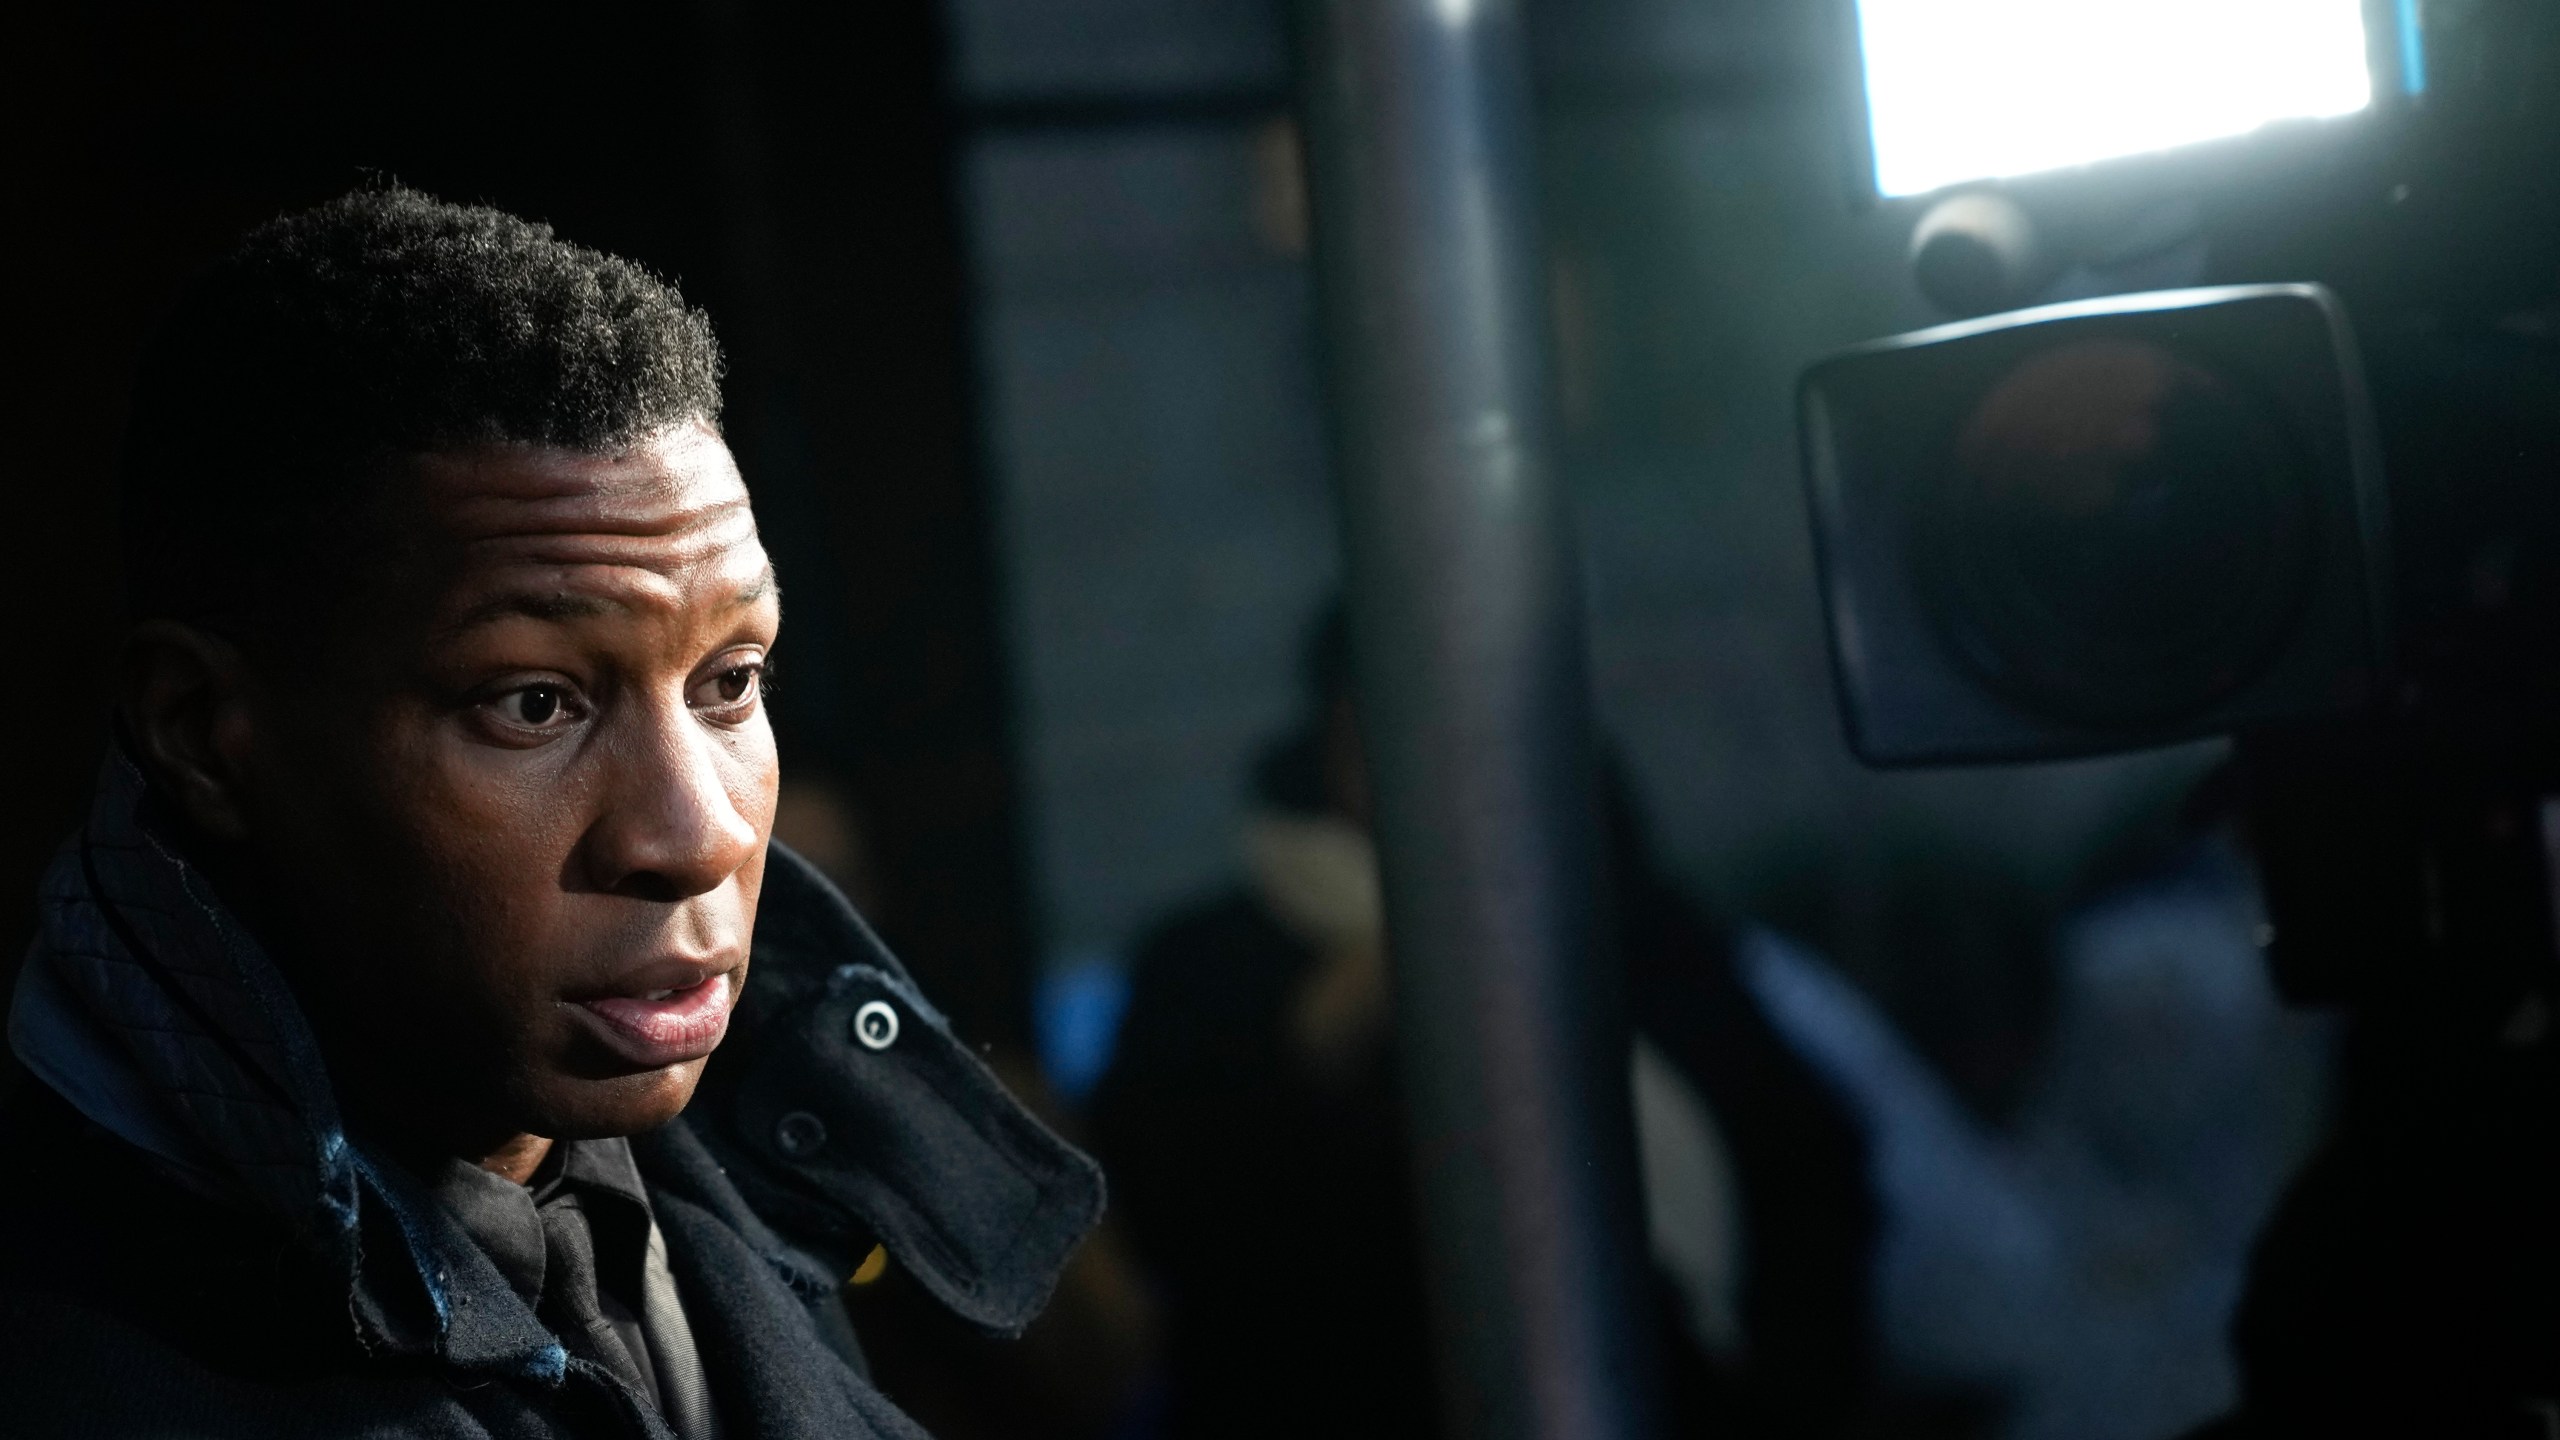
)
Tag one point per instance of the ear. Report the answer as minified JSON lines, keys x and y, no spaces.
{"x":186,"y":711}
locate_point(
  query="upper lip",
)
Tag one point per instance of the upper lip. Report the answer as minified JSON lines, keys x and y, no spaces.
{"x":671,"y":973}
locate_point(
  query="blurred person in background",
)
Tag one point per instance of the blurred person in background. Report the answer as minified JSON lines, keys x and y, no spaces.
{"x":1252,"y":1128}
{"x":2179,"y":1098}
{"x":2073,"y":1269}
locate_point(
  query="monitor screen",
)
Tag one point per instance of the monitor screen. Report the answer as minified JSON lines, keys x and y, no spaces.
{"x":1961,"y":90}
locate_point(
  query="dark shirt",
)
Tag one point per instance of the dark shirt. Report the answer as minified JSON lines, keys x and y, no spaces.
{"x":580,"y":1244}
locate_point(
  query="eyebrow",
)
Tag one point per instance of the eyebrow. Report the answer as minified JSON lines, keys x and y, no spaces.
{"x":556,"y":606}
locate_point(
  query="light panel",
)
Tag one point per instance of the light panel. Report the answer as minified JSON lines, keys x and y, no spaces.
{"x":1963,"y":90}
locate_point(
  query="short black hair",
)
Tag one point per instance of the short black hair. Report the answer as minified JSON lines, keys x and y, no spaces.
{"x":381,"y":323}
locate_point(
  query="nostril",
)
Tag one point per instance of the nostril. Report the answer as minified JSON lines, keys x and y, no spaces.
{"x":650,"y":885}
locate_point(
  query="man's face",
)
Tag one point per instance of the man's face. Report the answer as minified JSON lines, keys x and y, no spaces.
{"x":510,"y":819}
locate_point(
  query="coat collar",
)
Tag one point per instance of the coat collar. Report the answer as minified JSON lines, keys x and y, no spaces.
{"x":846,"y":1112}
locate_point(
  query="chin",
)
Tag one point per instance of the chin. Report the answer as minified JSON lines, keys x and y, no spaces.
{"x":590,"y":1109}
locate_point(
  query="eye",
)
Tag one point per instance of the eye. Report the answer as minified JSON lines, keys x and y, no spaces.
{"x":538,"y":707}
{"x":731,"y":693}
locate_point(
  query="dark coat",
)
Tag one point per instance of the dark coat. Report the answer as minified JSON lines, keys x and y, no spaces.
{"x":191,"y":1244}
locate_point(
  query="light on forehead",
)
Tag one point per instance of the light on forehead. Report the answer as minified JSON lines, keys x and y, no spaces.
{"x":559,"y":606}
{"x":681,"y":478}
{"x":1961,"y":90}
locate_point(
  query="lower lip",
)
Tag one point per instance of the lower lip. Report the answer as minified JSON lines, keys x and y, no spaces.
{"x":686,"y":1025}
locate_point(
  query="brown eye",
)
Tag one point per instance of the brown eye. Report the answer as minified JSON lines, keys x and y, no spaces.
{"x":535,"y":707}
{"x":734,"y":690}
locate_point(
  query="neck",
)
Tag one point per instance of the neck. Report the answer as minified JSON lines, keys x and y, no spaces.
{"x":509,"y":1157}
{"x":516,"y":1159}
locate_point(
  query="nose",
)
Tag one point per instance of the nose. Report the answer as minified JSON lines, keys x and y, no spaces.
{"x":678,"y":811}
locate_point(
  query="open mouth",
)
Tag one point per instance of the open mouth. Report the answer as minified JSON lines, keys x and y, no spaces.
{"x":665,"y":1026}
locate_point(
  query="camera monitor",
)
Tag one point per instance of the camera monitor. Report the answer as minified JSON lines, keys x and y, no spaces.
{"x":2097,"y":526}
{"x":1962,"y":90}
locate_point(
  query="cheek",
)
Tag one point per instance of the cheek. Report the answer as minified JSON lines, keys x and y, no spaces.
{"x":754,"y":766}
{"x":480,"y":851}
{"x":761,"y":798}
{"x":482,"y":811}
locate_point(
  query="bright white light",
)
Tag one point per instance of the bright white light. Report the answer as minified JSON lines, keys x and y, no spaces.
{"x":1977,"y":89}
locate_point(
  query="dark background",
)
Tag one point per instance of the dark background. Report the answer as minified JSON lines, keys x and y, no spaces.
{"x":1023,"y":379}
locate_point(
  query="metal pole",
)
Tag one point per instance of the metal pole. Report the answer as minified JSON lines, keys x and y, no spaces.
{"x":1467,"y":643}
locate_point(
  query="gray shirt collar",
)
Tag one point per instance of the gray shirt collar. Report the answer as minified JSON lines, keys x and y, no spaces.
{"x":503,"y":1217}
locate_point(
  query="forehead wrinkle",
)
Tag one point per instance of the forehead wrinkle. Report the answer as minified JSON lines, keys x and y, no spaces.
{"x":590,"y":589}
{"x":533,"y":605}
{"x":594,"y":512}
{"x":722,"y":538}
{"x":561,"y":603}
